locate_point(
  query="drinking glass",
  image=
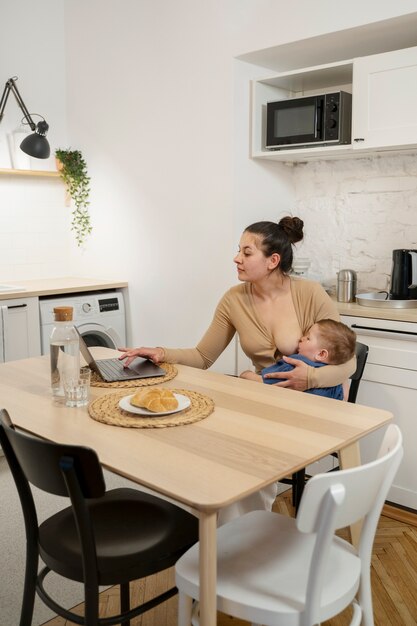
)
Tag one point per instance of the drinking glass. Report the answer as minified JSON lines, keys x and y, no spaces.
{"x":77,"y":390}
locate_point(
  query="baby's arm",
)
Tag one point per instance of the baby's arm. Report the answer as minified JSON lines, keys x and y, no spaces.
{"x":251,"y":376}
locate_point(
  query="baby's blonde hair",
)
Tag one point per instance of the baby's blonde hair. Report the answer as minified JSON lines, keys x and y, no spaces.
{"x":339,"y":340}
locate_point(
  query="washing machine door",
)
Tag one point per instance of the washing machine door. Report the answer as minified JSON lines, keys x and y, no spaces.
{"x":98,"y":335}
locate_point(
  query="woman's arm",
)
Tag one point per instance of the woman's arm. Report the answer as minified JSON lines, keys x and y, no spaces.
{"x":331,"y":375}
{"x":305,"y":376}
{"x":215,"y":340}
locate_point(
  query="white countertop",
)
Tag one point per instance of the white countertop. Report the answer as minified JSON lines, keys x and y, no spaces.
{"x":71,"y":284}
{"x":52,"y":286}
{"x":357,"y":310}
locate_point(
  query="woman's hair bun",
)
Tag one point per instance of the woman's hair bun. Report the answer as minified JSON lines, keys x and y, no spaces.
{"x":292,"y":227}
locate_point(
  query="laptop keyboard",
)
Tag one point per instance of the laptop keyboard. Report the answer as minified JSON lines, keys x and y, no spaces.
{"x":113,"y":368}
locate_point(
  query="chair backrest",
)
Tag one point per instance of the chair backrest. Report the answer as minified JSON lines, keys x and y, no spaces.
{"x":365,"y":486}
{"x":361,"y":358}
{"x":338,"y":499}
{"x":42,"y":462}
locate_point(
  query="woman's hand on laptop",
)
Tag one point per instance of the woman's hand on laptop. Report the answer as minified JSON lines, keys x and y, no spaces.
{"x":156,"y":355}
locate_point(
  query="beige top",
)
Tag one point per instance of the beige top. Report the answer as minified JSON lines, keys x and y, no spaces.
{"x":236,"y":312}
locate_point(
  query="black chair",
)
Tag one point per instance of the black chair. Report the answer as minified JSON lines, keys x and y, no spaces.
{"x":103,"y":538}
{"x":298,"y":479}
{"x":361,"y":358}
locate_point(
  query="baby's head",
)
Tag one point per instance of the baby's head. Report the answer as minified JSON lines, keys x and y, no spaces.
{"x":328,"y":342}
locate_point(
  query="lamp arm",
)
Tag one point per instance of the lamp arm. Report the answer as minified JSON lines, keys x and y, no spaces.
{"x":11,"y":87}
{"x":3,"y":100}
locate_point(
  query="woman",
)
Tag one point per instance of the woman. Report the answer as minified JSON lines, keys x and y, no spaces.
{"x":270,"y":311}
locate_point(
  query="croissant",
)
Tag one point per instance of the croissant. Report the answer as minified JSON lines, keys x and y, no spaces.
{"x":155,"y":400}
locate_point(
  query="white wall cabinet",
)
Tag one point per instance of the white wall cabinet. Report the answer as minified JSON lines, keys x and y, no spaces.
{"x":384,"y":101}
{"x":19,"y":329}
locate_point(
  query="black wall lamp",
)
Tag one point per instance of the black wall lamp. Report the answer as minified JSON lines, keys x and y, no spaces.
{"x":36,"y":144}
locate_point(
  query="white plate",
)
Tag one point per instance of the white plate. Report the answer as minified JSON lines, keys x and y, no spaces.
{"x":183,"y":403}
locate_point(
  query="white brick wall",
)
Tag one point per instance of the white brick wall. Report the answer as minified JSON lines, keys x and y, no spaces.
{"x":356,"y":212}
{"x":34,"y":228}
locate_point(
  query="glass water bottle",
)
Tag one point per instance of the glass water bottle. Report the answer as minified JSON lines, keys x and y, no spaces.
{"x":64,"y":350}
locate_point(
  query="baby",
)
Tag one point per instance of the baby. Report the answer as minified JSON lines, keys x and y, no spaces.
{"x":326,"y":343}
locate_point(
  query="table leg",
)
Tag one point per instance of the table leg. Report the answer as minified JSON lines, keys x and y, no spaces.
{"x":351,"y":457}
{"x":208,"y":568}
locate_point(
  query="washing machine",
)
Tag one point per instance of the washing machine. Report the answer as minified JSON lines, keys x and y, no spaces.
{"x":99,"y":317}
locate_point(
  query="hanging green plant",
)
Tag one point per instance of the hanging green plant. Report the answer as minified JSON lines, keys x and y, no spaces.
{"x":73,"y":170}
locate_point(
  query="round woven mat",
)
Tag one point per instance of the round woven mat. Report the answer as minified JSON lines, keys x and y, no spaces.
{"x":171,"y":372}
{"x":106,"y":409}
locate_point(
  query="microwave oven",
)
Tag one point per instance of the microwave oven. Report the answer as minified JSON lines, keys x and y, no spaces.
{"x":324,"y":119}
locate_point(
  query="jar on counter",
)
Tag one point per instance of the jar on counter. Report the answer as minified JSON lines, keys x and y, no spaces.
{"x":346,"y":285}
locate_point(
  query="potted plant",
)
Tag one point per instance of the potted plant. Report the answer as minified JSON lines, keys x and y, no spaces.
{"x":73,"y":170}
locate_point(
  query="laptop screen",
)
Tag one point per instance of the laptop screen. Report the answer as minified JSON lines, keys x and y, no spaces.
{"x":86,"y":352}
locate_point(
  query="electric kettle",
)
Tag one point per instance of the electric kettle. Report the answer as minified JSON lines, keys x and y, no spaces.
{"x":404,"y":275}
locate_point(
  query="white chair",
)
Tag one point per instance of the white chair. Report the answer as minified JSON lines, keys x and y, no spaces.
{"x":275,"y":570}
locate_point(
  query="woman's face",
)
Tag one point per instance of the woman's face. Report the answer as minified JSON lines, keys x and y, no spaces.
{"x":252,"y":264}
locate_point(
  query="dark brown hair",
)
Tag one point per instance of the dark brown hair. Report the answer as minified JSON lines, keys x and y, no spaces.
{"x":278,"y":238}
{"x":340,"y":340}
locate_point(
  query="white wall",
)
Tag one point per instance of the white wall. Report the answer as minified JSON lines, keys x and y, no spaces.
{"x":152,"y":105}
{"x":156,"y":103}
{"x":34,"y":222}
{"x":262,"y":190}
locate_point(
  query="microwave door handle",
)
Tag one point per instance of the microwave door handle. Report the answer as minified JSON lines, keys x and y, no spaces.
{"x":318,"y":122}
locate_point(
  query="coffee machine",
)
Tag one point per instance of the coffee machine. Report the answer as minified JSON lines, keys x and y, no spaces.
{"x":404,"y":275}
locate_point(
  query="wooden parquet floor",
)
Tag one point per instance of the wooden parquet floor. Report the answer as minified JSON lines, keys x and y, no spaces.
{"x":394,"y":580}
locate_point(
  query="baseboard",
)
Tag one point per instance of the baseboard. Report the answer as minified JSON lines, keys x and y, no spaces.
{"x":401,"y":514}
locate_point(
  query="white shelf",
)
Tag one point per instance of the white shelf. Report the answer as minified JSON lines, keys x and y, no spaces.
{"x":39,"y":173}
{"x":320,"y":77}
{"x":307,"y":154}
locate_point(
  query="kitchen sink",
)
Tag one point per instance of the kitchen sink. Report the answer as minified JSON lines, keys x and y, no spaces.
{"x":5,"y":288}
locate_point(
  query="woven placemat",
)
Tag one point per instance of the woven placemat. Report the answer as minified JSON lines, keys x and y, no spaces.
{"x":171,"y":372}
{"x":106,"y":409}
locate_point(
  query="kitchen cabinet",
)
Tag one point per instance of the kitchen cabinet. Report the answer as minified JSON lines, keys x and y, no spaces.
{"x":384,"y":100}
{"x":19,"y":329}
{"x":390,"y":382}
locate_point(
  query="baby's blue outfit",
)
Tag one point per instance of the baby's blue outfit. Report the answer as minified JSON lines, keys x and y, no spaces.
{"x":281,"y":366}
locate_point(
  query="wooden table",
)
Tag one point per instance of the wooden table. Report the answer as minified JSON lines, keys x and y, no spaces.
{"x":256,"y":435}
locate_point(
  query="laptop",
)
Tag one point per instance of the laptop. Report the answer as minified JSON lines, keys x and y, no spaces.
{"x":112,"y":370}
